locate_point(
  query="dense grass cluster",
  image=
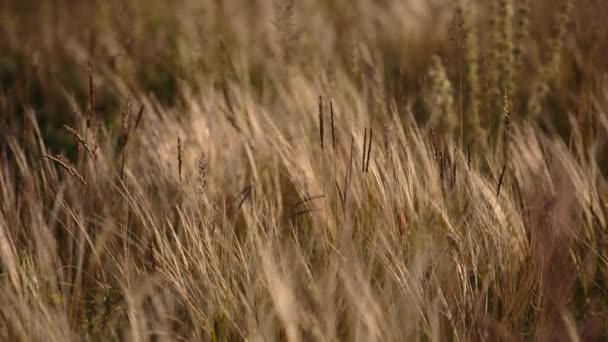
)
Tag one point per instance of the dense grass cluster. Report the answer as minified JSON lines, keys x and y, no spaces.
{"x":303,"y":170}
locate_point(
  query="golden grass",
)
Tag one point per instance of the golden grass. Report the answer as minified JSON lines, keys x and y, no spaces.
{"x":219,"y":211}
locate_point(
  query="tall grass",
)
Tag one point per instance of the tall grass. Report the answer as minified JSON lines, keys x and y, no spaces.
{"x":195,"y":193}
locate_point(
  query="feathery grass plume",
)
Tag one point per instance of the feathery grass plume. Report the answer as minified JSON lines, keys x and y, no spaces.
{"x":321,"y":133}
{"x":521,"y":36}
{"x":466,"y":10}
{"x":556,"y":44}
{"x":377,"y":86}
{"x":457,"y":35}
{"x":179,"y":157}
{"x":501,"y":66}
{"x":66,"y":165}
{"x":506,"y":63}
{"x":491,"y":64}
{"x":126,"y":118}
{"x":501,"y":54}
{"x":550,"y":70}
{"x":440,"y":101}
{"x":285,"y":28}
{"x":80,"y":140}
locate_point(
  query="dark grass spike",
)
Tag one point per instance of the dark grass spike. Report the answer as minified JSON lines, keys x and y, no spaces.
{"x":245,"y":193}
{"x":369,"y":150}
{"x":179,"y":157}
{"x":348,"y":172}
{"x":441,"y":167}
{"x":139,"y":116}
{"x":454,"y":167}
{"x":500,"y":179}
{"x":122,"y":165}
{"x":340,"y":195}
{"x":321,"y":120}
{"x":308,"y":199}
{"x":333,"y":127}
{"x":80,"y":140}
{"x":91,"y":105}
{"x":434,"y":144}
{"x":469,"y":156}
{"x":202,"y":172}
{"x":306,"y":211}
{"x":364,"y":150}
{"x":126,"y":119}
{"x":67,"y":166}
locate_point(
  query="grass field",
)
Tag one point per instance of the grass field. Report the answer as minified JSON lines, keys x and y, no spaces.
{"x":304,"y":170}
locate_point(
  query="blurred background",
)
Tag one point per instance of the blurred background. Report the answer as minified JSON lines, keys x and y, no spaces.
{"x":157,"y":49}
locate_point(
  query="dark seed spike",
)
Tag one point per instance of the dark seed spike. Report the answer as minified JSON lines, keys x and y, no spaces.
{"x":139,"y":115}
{"x":469,"y":157}
{"x":502,"y":174}
{"x":454,"y":167}
{"x":364,"y":150}
{"x":179,"y":158}
{"x":333,"y":127}
{"x":340,"y":195}
{"x":308,"y":199}
{"x":321,"y":120}
{"x":306,"y":211}
{"x":349,"y":171}
{"x":434,"y":144}
{"x":245,"y":193}
{"x":369,"y":150}
{"x":91,"y":105}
